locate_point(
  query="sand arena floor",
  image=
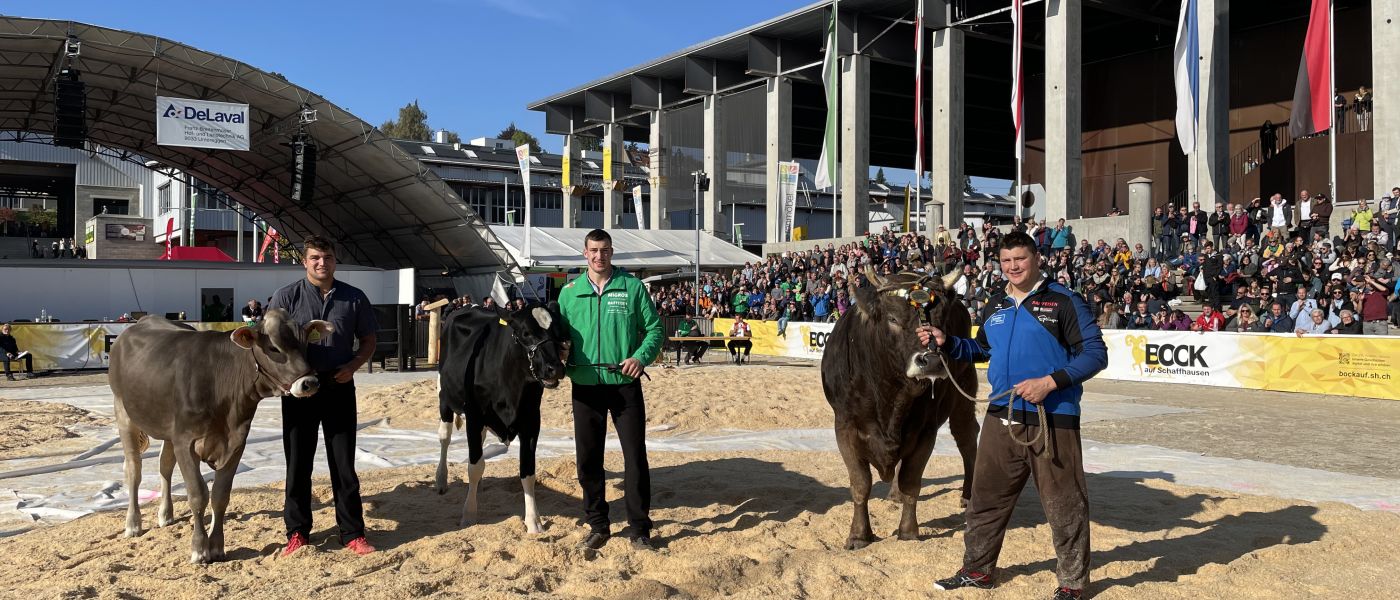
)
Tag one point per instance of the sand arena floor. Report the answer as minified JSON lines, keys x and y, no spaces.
{"x":1195,"y":492}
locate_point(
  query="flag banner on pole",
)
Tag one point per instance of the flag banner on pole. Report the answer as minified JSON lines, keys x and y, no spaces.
{"x":826,"y":165}
{"x":1017,"y":94}
{"x":1312,"y":100}
{"x":919,"y":94}
{"x":1187,"y":72}
{"x":788,"y":173}
{"x":607,"y":164}
{"x":564,"y":172}
{"x":907,"y":207}
{"x":637,"y":206}
{"x":522,"y":155}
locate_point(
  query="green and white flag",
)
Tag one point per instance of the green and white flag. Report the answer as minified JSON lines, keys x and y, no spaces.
{"x":826,"y":166}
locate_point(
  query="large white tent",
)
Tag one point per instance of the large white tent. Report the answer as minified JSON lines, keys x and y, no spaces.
{"x":558,"y":248}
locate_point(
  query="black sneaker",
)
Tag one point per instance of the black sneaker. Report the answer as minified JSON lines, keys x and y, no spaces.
{"x":1065,"y":593}
{"x":594,"y":540}
{"x":965,"y":578}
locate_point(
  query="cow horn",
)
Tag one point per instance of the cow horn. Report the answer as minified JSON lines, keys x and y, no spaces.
{"x":874,"y":277}
{"x":950,"y":279}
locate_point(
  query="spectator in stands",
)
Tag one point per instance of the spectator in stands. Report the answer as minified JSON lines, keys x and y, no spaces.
{"x":1245,"y":320}
{"x":1061,"y":238}
{"x":1220,"y":226}
{"x":1315,"y":324}
{"x":9,"y":350}
{"x":1140,"y":318}
{"x":1280,"y":218}
{"x":1361,"y":217}
{"x":1302,"y":306}
{"x":1346,"y":324}
{"x":1321,"y":215}
{"x":1197,"y":223}
{"x":1278,"y":320}
{"x":740,"y":330}
{"x":1210,"y":320}
{"x":34,"y":251}
{"x":1239,"y":226}
{"x":1177,"y":321}
{"x":1109,"y":317}
{"x":1374,"y":307}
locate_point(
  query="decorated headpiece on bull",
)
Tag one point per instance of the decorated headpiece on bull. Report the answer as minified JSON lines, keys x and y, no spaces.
{"x":903,"y":301}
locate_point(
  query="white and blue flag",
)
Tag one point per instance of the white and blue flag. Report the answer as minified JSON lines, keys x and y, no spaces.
{"x":1186,"y":65}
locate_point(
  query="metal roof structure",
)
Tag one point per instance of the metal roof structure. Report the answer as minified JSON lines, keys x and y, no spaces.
{"x":384,"y":207}
{"x":634,"y":249}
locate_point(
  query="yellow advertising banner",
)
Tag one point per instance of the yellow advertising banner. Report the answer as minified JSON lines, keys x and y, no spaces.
{"x":565,"y":172}
{"x":607,"y":163}
{"x":69,"y":346}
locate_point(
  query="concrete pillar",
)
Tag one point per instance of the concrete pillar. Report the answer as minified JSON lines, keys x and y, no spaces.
{"x":946,"y":154}
{"x":1140,"y":212}
{"x":779,"y":147}
{"x":612,"y":153}
{"x":568,"y":178}
{"x":714,"y":165}
{"x":656,"y":155}
{"x":1385,"y":90}
{"x":855,"y":146}
{"x":1213,"y":130}
{"x":1064,"y":166}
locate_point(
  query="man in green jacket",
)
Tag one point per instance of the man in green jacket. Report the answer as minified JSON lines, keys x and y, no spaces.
{"x":612,"y":322}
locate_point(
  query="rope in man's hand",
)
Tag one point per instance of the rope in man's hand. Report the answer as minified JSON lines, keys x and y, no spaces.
{"x":1039,"y":408}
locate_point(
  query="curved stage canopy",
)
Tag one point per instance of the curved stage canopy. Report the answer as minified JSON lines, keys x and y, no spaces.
{"x":386,"y":208}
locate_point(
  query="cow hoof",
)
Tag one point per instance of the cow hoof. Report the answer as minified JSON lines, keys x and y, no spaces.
{"x":165,"y":521}
{"x":217,"y":555}
{"x":133,"y":532}
{"x":908,"y":537}
{"x":856,"y":543}
{"x":533,"y":528}
{"x":199,"y":557}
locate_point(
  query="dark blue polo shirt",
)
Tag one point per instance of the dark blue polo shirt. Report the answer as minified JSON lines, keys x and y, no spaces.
{"x":346,"y":308}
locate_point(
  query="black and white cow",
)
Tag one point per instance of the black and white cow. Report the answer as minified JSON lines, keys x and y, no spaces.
{"x":495,"y":367}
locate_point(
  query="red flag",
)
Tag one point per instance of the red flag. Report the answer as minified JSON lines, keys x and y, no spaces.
{"x":1017,"y":94}
{"x":1312,"y":96}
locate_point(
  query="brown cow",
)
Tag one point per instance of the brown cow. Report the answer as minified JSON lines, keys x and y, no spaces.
{"x":890,"y":394}
{"x":198,"y":390}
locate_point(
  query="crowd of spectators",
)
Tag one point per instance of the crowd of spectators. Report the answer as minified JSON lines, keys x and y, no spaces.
{"x":1266,"y":267}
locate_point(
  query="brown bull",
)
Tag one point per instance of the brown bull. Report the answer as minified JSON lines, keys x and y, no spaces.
{"x":891,"y":395}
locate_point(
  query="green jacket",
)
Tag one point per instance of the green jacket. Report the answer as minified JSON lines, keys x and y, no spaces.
{"x":622,"y":324}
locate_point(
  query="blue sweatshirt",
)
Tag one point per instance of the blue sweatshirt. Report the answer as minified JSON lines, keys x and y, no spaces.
{"x":1051,"y":333}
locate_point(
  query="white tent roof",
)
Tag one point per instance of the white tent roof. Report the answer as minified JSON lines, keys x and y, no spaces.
{"x":635,"y":250}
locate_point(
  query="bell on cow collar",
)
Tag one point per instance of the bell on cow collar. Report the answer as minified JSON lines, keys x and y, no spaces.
{"x":919,"y":296}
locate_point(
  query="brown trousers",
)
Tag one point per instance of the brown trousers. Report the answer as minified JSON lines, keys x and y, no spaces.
{"x":1000,"y":475}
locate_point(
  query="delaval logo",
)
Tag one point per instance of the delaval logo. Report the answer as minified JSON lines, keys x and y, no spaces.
{"x":1176,"y":355}
{"x":204,"y":114}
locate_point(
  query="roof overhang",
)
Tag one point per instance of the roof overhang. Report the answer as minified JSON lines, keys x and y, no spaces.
{"x":384,"y":207}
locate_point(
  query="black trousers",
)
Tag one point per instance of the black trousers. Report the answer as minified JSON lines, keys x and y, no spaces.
{"x":331,"y":410}
{"x":592,"y":405}
{"x":737,"y":345}
{"x":28,"y":363}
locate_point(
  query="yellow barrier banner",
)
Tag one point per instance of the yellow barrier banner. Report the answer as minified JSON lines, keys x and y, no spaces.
{"x":71,"y":346}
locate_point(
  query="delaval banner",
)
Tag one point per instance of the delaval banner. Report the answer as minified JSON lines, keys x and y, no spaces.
{"x":201,"y":124}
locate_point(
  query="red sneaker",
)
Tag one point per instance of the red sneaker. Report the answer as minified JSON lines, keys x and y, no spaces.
{"x":360,"y":546}
{"x":294,"y":543}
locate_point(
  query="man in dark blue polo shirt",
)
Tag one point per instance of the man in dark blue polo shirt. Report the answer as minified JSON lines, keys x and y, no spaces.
{"x":333,"y":357}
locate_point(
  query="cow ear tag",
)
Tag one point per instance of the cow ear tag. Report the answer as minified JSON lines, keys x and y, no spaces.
{"x":314,"y":337}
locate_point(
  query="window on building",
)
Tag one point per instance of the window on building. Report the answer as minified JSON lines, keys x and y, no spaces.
{"x":592,"y":204}
{"x":111,"y":206}
{"x":547,"y":200}
{"x":164,"y":198}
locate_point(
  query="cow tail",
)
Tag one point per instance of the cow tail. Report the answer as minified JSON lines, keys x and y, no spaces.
{"x":459,"y":422}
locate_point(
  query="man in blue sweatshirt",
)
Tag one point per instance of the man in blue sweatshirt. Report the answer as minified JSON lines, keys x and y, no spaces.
{"x":1041,"y":341}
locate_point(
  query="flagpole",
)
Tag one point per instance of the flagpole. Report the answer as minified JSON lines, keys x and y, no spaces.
{"x":1331,"y":110}
{"x":836,"y":151}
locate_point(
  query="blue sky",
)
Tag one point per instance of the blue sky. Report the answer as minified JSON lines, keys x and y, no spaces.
{"x":473,"y":65}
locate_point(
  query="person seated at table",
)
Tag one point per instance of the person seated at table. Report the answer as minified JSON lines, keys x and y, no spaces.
{"x":690,"y":328}
{"x":9,"y":350}
{"x":740,"y":330}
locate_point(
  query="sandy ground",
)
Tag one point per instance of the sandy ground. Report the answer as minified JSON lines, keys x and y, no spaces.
{"x":753,"y":397}
{"x":33,"y":429}
{"x":770,"y":524}
{"x":761,"y":525}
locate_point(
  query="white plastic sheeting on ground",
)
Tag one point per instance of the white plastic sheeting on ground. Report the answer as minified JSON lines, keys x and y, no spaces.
{"x":40,"y":490}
